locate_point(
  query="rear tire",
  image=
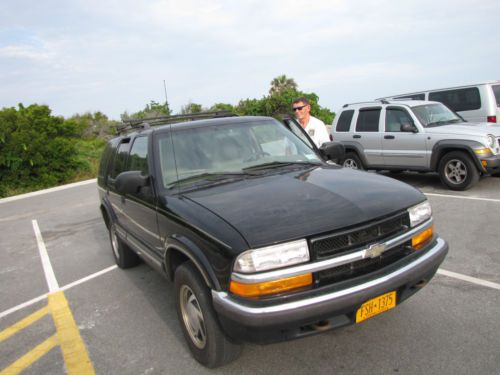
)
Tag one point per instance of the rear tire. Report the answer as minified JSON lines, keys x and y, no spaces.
{"x":208,"y":343}
{"x":353,"y":161}
{"x":124,"y":256}
{"x":457,"y":171}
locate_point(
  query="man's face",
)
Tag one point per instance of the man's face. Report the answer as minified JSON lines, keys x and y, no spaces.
{"x":301,"y":110}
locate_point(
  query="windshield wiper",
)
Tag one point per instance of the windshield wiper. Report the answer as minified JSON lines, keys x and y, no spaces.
{"x":278,"y":164}
{"x":439,"y":123}
{"x":209,"y":177}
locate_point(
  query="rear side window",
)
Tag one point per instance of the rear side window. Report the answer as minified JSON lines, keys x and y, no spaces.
{"x":120,"y":158}
{"x":496,"y":91}
{"x":106,"y":157}
{"x":412,"y":97}
{"x":368,"y":120}
{"x":344,"y":122}
{"x":458,"y":100}
{"x":138,"y":160}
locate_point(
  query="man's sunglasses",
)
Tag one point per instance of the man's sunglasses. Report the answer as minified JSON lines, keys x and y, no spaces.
{"x":299,"y":108}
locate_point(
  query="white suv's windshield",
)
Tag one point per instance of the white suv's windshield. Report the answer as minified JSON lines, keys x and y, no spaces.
{"x":435,"y":115}
{"x":228,"y":151}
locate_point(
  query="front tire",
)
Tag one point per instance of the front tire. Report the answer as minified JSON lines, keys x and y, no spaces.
{"x":206,"y":340}
{"x":457,"y":171}
{"x":353,"y":161}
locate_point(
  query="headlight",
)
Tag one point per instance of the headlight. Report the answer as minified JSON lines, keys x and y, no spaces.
{"x":272,"y":257}
{"x":491,"y":141}
{"x":420,"y":213}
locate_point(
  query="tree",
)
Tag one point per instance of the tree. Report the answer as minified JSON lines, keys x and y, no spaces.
{"x":94,"y":125}
{"x":191,"y":108}
{"x":282,"y":83}
{"x":153,"y":109}
{"x":222,"y":107}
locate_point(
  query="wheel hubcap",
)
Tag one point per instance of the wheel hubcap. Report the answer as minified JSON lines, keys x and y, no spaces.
{"x":349,"y":163}
{"x":455,"y":171}
{"x":114,"y":243}
{"x":193,"y":317}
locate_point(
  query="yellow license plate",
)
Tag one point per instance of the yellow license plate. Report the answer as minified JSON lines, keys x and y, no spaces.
{"x":376,"y":306}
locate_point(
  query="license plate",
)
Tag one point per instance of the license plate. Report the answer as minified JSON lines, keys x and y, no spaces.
{"x":376,"y":306}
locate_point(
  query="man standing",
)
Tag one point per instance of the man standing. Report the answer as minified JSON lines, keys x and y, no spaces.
{"x":313,"y":126}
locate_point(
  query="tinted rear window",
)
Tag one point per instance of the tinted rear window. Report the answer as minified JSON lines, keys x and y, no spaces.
{"x":459,"y":99}
{"x":344,"y":122}
{"x":496,"y":91}
{"x":368,"y":120}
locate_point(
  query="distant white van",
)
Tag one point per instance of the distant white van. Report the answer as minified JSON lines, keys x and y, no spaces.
{"x":475,"y":103}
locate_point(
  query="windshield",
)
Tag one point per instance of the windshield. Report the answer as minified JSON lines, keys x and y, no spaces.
{"x":435,"y":115}
{"x":210,"y":154}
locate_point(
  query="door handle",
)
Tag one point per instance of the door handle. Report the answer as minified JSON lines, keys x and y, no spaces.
{"x":356,"y":136}
{"x":389,"y":137}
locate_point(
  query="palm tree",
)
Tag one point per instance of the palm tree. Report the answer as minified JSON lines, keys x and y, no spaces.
{"x":282,"y":83}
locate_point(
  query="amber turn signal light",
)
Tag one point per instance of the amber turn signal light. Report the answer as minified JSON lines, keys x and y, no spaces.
{"x":270,"y":287}
{"x":422,"y":239}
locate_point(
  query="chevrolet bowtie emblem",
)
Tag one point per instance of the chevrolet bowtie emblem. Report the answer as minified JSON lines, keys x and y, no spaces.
{"x":374,"y":250}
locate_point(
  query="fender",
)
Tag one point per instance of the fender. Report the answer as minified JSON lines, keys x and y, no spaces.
{"x":468,"y":146}
{"x":188,"y":248}
{"x":356,"y":147}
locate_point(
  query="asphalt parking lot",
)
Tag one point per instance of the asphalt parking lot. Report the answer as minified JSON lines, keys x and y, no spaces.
{"x":110,"y":321}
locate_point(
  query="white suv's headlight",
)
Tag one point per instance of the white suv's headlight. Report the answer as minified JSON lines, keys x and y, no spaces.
{"x":491,"y":141}
{"x":420,"y":213}
{"x":271,"y":257}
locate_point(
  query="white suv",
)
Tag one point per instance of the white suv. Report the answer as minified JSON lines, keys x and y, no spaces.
{"x":417,"y":135}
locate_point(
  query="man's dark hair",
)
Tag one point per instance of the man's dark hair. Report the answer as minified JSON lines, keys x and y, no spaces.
{"x":302,"y":99}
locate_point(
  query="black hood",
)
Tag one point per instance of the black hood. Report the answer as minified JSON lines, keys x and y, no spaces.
{"x":299,"y":204}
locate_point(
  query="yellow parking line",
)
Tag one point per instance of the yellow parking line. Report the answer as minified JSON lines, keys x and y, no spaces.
{"x":31,"y":357}
{"x":73,"y":348}
{"x":13,"y":329}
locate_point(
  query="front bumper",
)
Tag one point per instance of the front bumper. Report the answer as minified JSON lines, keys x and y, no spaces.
{"x":334,"y":307}
{"x":493,"y":164}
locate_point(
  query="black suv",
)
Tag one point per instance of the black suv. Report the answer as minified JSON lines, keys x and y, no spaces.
{"x":264,"y":238}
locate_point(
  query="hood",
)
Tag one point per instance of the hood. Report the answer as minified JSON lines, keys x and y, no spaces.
{"x":298,"y":204}
{"x":467,"y":128}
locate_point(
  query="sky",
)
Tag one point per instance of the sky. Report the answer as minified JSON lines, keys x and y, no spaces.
{"x":114,"y":56}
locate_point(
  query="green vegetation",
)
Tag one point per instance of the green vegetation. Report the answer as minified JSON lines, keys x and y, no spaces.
{"x":39,"y":150}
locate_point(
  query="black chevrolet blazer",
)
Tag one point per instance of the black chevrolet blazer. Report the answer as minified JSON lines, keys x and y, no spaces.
{"x":264,"y":237}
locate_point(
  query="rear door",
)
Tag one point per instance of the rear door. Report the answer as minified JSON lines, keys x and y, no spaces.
{"x":367,"y":134}
{"x":402,"y":149}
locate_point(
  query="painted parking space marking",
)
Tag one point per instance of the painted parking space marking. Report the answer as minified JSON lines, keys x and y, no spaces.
{"x":463,"y":197}
{"x":67,"y":335}
{"x":22,"y":324}
{"x":31,"y":357}
{"x":470,"y":279}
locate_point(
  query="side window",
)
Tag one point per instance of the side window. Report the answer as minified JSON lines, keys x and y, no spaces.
{"x":344,"y":122}
{"x":412,"y":97}
{"x":395,"y":117}
{"x":167,"y":161}
{"x":106,"y":157}
{"x":120,"y":158}
{"x":458,"y":100}
{"x":138,"y":159}
{"x":368,"y":120}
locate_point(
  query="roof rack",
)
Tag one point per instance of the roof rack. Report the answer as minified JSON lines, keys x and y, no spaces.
{"x":382,"y":100}
{"x":146,"y":123}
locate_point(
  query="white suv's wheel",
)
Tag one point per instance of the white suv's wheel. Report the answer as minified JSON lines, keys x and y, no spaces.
{"x":353,"y":161}
{"x":457,"y":171}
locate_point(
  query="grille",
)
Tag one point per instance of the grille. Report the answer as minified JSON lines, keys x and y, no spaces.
{"x":362,"y":267}
{"x":344,"y":242}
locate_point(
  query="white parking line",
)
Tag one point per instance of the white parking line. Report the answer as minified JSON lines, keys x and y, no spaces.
{"x":469,"y":279}
{"x":40,"y":192}
{"x":47,"y":266}
{"x":66,"y":287}
{"x":463,"y":197}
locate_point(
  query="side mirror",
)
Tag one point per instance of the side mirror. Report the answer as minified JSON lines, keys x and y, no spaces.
{"x":409,"y":128}
{"x":333,"y":151}
{"x":130,"y":182}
